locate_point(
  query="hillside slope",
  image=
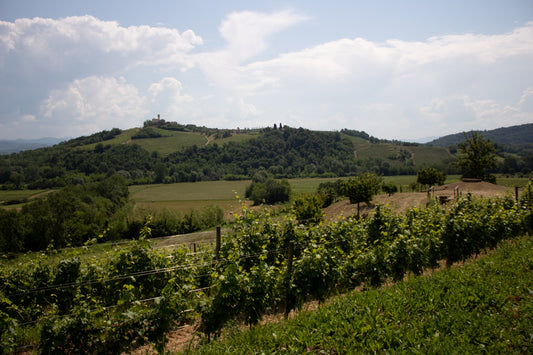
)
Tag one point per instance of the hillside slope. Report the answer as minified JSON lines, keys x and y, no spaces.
{"x":515,"y":135}
{"x":186,"y":153}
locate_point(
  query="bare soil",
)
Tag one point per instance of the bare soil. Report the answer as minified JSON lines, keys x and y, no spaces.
{"x":400,"y":202}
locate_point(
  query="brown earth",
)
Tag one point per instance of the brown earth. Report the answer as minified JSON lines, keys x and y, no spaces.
{"x":400,"y":202}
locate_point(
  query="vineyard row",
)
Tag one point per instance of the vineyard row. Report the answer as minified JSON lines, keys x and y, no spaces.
{"x":137,"y":294}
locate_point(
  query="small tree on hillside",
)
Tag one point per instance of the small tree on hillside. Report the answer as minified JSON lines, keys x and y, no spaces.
{"x":476,"y":155}
{"x":362,"y":188}
{"x":430,"y":177}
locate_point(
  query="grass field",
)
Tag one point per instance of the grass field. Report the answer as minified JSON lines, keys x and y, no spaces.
{"x":186,"y":196}
{"x":421,"y":155}
{"x":170,"y":142}
{"x":238,"y":138}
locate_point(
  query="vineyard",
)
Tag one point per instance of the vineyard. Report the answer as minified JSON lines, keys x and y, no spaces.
{"x":265,"y":264}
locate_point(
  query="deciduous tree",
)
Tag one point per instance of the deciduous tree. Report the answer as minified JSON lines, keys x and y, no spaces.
{"x":475,"y":156}
{"x":362,"y":188}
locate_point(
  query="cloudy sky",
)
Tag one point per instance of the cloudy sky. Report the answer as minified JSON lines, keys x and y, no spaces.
{"x":395,"y":69}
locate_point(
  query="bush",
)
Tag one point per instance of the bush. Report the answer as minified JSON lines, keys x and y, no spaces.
{"x":146,"y":133}
{"x":389,"y":188}
{"x":330,"y":191}
{"x":308,"y":208}
{"x":270,"y":191}
{"x":362,"y":188}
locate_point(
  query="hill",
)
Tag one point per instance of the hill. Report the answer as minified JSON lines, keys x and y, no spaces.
{"x":168,"y":152}
{"x":515,"y":135}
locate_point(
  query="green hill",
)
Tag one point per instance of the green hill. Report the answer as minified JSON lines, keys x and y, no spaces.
{"x":515,"y":135}
{"x":167,"y":152}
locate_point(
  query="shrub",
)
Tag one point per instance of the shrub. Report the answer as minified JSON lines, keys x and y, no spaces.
{"x":271,"y":191}
{"x":389,"y":188}
{"x":308,"y":208}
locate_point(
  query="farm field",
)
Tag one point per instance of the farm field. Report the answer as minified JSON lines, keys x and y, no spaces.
{"x":6,"y":195}
{"x":183,"y":197}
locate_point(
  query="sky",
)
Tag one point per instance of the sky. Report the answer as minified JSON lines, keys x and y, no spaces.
{"x":403,"y":70}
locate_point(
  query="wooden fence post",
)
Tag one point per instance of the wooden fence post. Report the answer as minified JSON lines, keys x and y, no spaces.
{"x":516,"y":193}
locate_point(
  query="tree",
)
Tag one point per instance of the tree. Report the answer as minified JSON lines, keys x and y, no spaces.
{"x":362,"y":188}
{"x":475,"y":156}
{"x":389,"y":188}
{"x":269,"y":191}
{"x":430,"y":177}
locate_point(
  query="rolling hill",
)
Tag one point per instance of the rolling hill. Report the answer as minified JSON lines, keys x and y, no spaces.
{"x":515,"y":135}
{"x":167,"y":152}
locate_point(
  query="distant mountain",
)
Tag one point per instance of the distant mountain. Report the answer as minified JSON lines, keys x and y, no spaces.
{"x":515,"y":135}
{"x":18,"y":145}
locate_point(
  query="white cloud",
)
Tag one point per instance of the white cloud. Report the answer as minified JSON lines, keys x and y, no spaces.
{"x":64,"y":69}
{"x":526,"y":100}
{"x":476,"y":80}
{"x":166,"y":98}
{"x":95,"y":74}
{"x":247,"y":32}
{"x":247,"y":35}
{"x":84,"y":39}
{"x":94,"y":103}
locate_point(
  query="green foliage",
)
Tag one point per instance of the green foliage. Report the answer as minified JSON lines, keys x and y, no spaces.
{"x":67,"y":217}
{"x":307,"y":208}
{"x":476,"y":155}
{"x":146,"y":132}
{"x":136,"y":294}
{"x":270,"y":191}
{"x":482,"y":307}
{"x":330,"y":191}
{"x":389,"y":188}
{"x":430,"y":177}
{"x":362,"y":188}
{"x":93,"y":138}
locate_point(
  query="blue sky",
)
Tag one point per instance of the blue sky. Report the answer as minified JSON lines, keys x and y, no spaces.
{"x":395,"y":69}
